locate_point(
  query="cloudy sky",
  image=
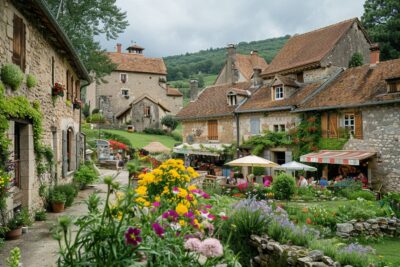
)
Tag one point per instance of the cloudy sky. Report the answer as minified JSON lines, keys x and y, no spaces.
{"x":170,"y":27}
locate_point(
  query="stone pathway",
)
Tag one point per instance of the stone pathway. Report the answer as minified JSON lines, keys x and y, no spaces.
{"x":38,"y":248}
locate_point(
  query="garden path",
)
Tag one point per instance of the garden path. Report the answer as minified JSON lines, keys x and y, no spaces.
{"x":38,"y":248}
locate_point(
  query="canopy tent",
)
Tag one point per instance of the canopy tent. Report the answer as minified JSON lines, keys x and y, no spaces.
{"x":296,"y":166}
{"x":201,"y":149}
{"x":156,"y":147}
{"x":343,"y":157}
{"x":252,"y":161}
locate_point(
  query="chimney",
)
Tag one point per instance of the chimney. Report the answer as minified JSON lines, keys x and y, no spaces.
{"x":374,"y":54}
{"x":231,"y":72}
{"x":257,"y":80}
{"x":119,"y":48}
{"x":194,"y":90}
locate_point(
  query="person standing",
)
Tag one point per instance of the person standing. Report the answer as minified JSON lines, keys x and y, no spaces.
{"x":302,"y":182}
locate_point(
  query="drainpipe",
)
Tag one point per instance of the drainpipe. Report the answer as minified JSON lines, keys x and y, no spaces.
{"x":237,"y":134}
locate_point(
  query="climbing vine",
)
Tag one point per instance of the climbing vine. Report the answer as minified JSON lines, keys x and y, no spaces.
{"x":260,"y":143}
{"x":306,"y":136}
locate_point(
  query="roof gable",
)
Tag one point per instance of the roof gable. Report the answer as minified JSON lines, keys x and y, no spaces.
{"x":131,"y":62}
{"x":247,"y":63}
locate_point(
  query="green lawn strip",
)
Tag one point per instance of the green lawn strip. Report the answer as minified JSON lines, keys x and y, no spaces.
{"x":389,"y":248}
{"x":139,"y":140}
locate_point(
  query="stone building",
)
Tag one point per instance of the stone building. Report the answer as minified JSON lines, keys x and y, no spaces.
{"x":31,"y":38}
{"x":134,"y":77}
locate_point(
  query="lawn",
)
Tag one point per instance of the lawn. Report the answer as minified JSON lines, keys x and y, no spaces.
{"x":139,"y":140}
{"x":388,"y":248}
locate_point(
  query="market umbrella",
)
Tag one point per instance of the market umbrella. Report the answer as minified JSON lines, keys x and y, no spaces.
{"x":252,"y":161}
{"x":297,"y":166}
{"x":156,"y":147}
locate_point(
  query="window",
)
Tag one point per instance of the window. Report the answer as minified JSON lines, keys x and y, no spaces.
{"x":19,"y":35}
{"x":349,"y":123}
{"x":213,"y":130}
{"x":300,"y":77}
{"x":123,"y":77}
{"x":276,"y":128}
{"x":232,"y":101}
{"x":147,"y":111}
{"x":255,"y":126}
{"x":393,"y":87}
{"x":278,"y":92}
{"x":125,"y":92}
{"x":78,"y":89}
{"x":279,"y":128}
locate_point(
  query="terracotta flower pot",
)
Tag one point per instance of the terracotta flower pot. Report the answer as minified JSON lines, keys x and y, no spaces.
{"x":57,"y":207}
{"x":14,"y":234}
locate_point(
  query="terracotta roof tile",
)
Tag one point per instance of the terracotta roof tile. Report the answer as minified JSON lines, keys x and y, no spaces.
{"x":360,"y":85}
{"x":137,"y":63}
{"x":308,"y":48}
{"x":287,"y":81}
{"x":173,"y":92}
{"x":247,"y":63}
{"x":212,"y":101}
{"x":262,"y":99}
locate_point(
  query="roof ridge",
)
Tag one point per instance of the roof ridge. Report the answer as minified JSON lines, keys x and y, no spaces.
{"x":324,"y":28}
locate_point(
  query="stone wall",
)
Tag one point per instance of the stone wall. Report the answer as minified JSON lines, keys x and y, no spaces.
{"x":272,"y":253}
{"x":57,"y":117}
{"x":140,"y":122}
{"x":381,"y":134}
{"x":198,"y":130}
{"x":376,"y":227}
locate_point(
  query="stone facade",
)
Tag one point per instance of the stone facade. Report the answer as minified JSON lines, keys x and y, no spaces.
{"x":197,"y":130}
{"x":153,"y":119}
{"x":57,"y":118}
{"x":376,"y":227}
{"x":381,"y":134}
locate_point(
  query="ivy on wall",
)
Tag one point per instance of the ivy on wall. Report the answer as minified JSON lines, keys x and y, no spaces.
{"x":306,"y":136}
{"x":260,"y":143}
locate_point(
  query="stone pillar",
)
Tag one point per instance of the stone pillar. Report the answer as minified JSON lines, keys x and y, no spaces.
{"x":27,"y":167}
{"x":194,"y":90}
{"x":257,"y":80}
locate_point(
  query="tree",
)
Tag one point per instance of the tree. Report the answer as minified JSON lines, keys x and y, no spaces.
{"x":356,"y":60}
{"x":382,"y":20}
{"x":170,"y":121}
{"x":82,"y":21}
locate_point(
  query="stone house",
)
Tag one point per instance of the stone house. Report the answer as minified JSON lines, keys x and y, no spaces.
{"x":31,"y":38}
{"x":307,"y":63}
{"x":365,"y":101}
{"x":134,"y":77}
{"x":240,"y":68}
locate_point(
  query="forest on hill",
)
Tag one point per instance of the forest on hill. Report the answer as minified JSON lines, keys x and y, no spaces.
{"x":209,"y":62}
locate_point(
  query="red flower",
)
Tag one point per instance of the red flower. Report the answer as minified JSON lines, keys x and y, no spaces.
{"x":117,"y":145}
{"x":132,"y":236}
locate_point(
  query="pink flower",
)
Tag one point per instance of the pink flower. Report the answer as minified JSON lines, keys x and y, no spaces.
{"x":205,"y":195}
{"x":156,"y":204}
{"x":158,"y":229}
{"x":210,"y":217}
{"x":211,"y":247}
{"x":175,"y":190}
{"x":208,"y":206}
{"x":193,"y":244}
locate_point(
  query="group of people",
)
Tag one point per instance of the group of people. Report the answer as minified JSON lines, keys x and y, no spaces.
{"x":323,"y":182}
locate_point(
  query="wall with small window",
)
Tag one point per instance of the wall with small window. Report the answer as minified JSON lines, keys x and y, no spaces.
{"x":342,"y":124}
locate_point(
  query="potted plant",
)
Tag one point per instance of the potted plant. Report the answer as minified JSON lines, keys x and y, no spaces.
{"x":58,"y":201}
{"x":77,"y":104}
{"x":14,"y":226}
{"x":58,"y":89}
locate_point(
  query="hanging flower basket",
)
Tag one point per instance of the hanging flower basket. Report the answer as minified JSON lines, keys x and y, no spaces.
{"x":58,"y":89}
{"x":77,"y":104}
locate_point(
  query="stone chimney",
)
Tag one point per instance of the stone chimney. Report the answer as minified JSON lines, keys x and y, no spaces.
{"x":119,"y":48}
{"x":194,"y":90}
{"x":374,"y":54}
{"x":231,"y":71}
{"x":257,"y":80}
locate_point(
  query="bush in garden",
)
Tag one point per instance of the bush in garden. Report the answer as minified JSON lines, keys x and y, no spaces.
{"x":96,"y":118}
{"x":154,"y":131}
{"x":31,"y":81}
{"x":392,"y":199}
{"x":284,"y":186}
{"x":364,"y":194}
{"x":69,"y":190}
{"x":361,"y":209}
{"x":12,"y":75}
{"x":170,"y":122}
{"x":85,"y":175}
{"x":40,"y":215}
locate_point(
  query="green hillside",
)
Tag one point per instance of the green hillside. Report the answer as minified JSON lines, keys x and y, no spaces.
{"x":210,"y":61}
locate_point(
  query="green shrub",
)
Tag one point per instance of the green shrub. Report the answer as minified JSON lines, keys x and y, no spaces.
{"x":85,"y":175}
{"x":96,"y":118}
{"x":57,"y":197}
{"x":95,"y":111}
{"x":69,"y":190}
{"x":170,"y":122}
{"x":2,"y":88}
{"x":367,"y":195}
{"x":155,"y":131}
{"x":40,"y":215}
{"x":31,"y":81}
{"x":26,"y":217}
{"x":12,"y":75}
{"x":392,"y":199}
{"x":257,"y":171}
{"x":284,"y":186}
{"x":356,"y":60}
{"x":176,"y":136}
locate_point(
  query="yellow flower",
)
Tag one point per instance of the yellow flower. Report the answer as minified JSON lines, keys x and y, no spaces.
{"x":182,"y":222}
{"x":182,"y":193}
{"x":147,"y":204}
{"x":157,"y":199}
{"x":119,"y":216}
{"x":181,"y":209}
{"x":120,"y":195}
{"x":140,"y":200}
{"x":141,"y":190}
{"x":192,"y":187}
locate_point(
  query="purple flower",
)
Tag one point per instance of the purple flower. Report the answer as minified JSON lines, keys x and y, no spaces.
{"x":205,"y":195}
{"x":208,"y":206}
{"x":132,"y":236}
{"x":357,"y":248}
{"x":156,"y":204}
{"x":189,"y":214}
{"x":170,"y":215}
{"x":158,"y":229}
{"x":211,"y":247}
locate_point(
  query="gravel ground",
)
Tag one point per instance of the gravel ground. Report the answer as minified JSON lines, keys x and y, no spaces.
{"x":38,"y":248}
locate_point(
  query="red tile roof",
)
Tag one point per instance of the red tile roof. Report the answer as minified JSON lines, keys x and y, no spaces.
{"x":308,"y":48}
{"x":173,"y":92}
{"x":212,"y":102}
{"x":247,"y":63}
{"x":357,"y":86}
{"x":137,"y":63}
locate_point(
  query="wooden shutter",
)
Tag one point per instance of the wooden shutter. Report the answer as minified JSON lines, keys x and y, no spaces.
{"x":64,"y":154}
{"x":72,"y":84}
{"x":255,"y":126}
{"x":67,"y":84}
{"x":213,"y":130}
{"x":78,"y":89}
{"x":358,"y":125}
{"x":333,"y":125}
{"x":19,"y":36}
{"x":324,"y":125}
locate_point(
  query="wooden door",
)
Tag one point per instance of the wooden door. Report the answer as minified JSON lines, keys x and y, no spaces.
{"x":213,"y":130}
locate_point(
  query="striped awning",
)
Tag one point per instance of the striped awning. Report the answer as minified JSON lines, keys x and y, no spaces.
{"x":344,"y":157}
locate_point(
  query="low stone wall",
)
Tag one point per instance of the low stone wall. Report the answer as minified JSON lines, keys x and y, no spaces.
{"x":372,"y":227}
{"x":272,"y":253}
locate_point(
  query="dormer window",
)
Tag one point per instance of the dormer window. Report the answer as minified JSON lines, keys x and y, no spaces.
{"x":278,"y":92}
{"x":232,"y":99}
{"x":393,"y":86}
